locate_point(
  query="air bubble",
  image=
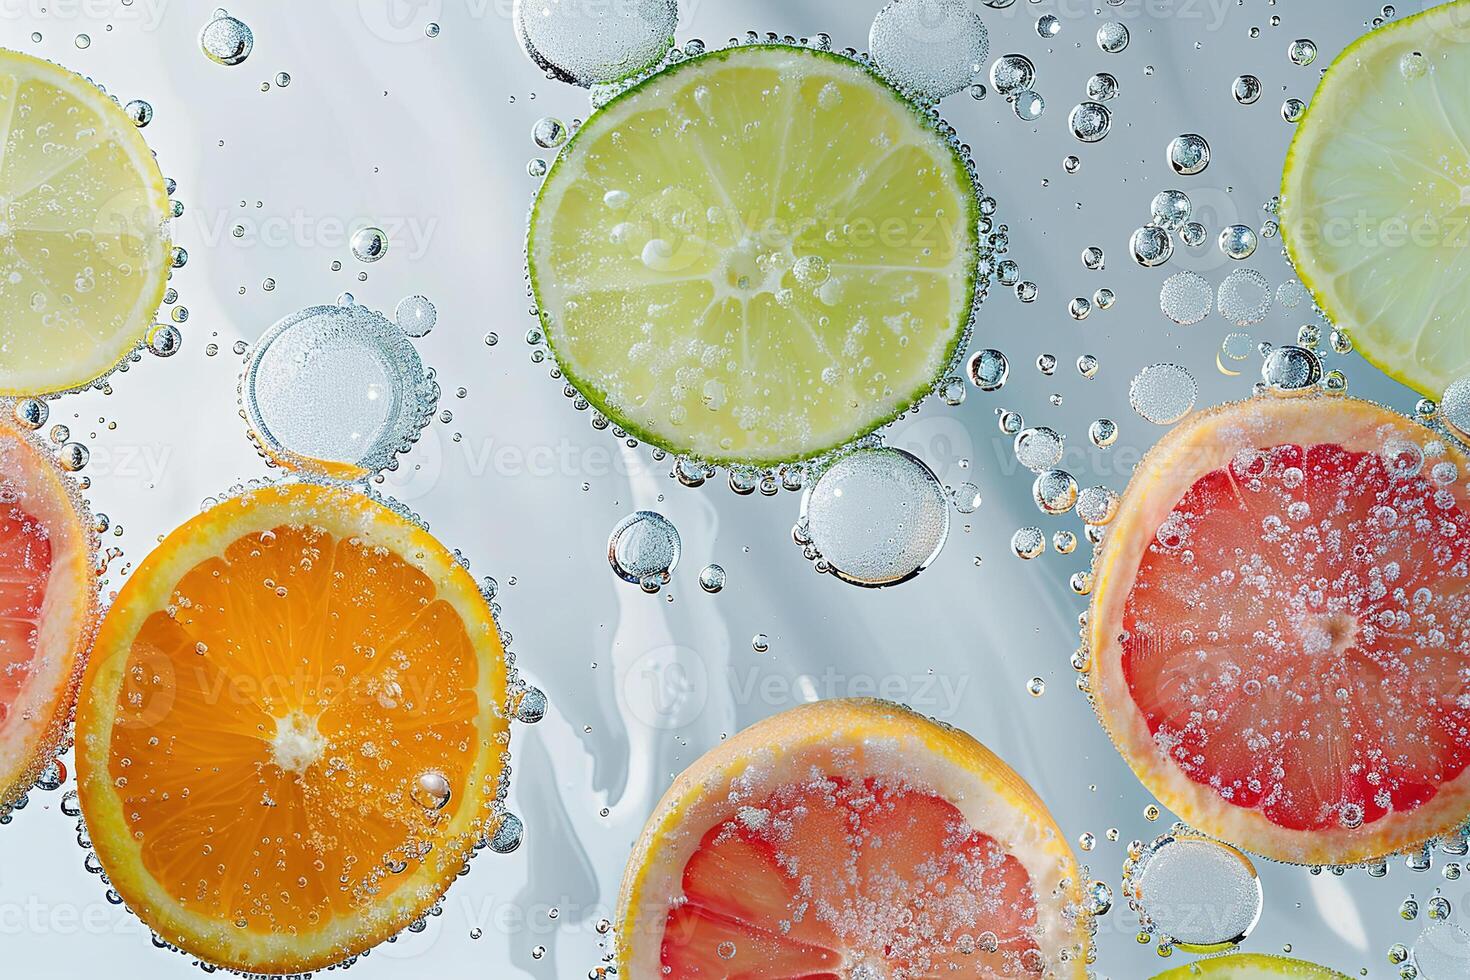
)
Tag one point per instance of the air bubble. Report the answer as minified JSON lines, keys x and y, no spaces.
{"x":644,"y":549}
{"x":988,"y":370}
{"x":226,"y":40}
{"x":1012,"y":73}
{"x":369,"y":244}
{"x":595,"y":44}
{"x":1195,"y":893}
{"x":1151,"y":246}
{"x":1186,"y":298}
{"x":930,"y":49}
{"x":1246,"y":89}
{"x":1090,"y":121}
{"x":1113,"y":37}
{"x":1244,"y":297}
{"x":1189,"y":154}
{"x":1163,"y":393}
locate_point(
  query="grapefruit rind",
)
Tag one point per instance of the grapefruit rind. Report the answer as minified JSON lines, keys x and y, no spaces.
{"x":345,"y":514}
{"x":783,"y":750}
{"x":543,"y":282}
{"x":1205,"y":442}
{"x":40,"y":720}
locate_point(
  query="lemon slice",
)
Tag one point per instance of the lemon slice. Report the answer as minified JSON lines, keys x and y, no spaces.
{"x":84,"y":249}
{"x":1251,"y":966}
{"x":1375,"y":200}
{"x":756,"y":255}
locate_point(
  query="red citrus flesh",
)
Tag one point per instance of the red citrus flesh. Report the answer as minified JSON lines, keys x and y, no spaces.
{"x":25,"y":566}
{"x":1282,"y":629}
{"x":826,"y":877}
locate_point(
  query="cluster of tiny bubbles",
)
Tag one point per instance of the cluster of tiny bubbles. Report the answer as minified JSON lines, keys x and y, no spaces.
{"x":415,"y":316}
{"x":369,"y":244}
{"x":1054,"y":492}
{"x":1442,"y":949}
{"x":1238,"y":242}
{"x":226,"y":40}
{"x":875,"y":517}
{"x":595,"y":45}
{"x":1186,"y":298}
{"x":1246,"y":89}
{"x":1113,"y":37}
{"x":1163,"y":393}
{"x":1290,"y":370}
{"x":1244,"y":297}
{"x":1189,"y":154}
{"x":929,"y":49}
{"x":1151,"y":246}
{"x":1192,"y":892}
{"x":1103,"y":433}
{"x":1098,"y":506}
{"x":644,"y":550}
{"x":1090,"y":121}
{"x":336,"y":386}
{"x":549,"y":132}
{"x":1454,"y":407}
{"x":1028,"y":543}
{"x":1039,"y":448}
{"x":988,"y":369}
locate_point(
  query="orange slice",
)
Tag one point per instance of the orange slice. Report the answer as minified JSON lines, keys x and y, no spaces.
{"x":48,"y":608}
{"x":1280,"y":628}
{"x":851,"y":839}
{"x":293,"y":729}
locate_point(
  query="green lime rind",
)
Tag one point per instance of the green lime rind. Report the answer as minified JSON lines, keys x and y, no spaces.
{"x":599,"y":399}
{"x":1250,"y":966}
{"x":1406,"y":371}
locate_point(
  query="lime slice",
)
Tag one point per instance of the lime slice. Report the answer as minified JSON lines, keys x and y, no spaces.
{"x":1251,"y":966}
{"x":84,"y":250}
{"x":1375,"y":199}
{"x":756,"y":255}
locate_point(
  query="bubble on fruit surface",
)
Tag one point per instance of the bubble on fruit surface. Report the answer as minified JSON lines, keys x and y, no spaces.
{"x":1291,"y":369}
{"x":1151,"y":246}
{"x":1098,"y":505}
{"x":1090,"y":121}
{"x":431,"y":791}
{"x":1186,"y":298}
{"x":877,"y":517}
{"x":595,"y":44}
{"x":1012,"y":73}
{"x":1113,"y":37}
{"x":1028,"y":543}
{"x":1039,"y":449}
{"x":1189,"y":154}
{"x":1238,"y":242}
{"x":988,"y":369}
{"x":644,"y":549}
{"x":1103,"y":433}
{"x":336,"y":386}
{"x":530,"y":705}
{"x":1454,"y":407}
{"x":712,"y":578}
{"x":416,"y":316}
{"x":1244,"y":297}
{"x":1442,"y":951}
{"x":226,"y":40}
{"x":1163,"y":393}
{"x":1054,"y":492}
{"x":1195,"y":893}
{"x":1246,"y":89}
{"x":549,"y":132}
{"x":930,"y":49}
{"x":509,"y":832}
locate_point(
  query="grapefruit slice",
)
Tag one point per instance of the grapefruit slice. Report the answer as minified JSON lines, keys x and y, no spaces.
{"x":1251,"y":966}
{"x":84,"y":250}
{"x":48,"y":608}
{"x":293,"y":729}
{"x":1280,"y":628}
{"x":756,"y":255}
{"x":851,"y":839}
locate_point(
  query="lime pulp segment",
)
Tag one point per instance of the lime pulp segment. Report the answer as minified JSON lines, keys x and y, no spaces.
{"x":756,"y":255}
